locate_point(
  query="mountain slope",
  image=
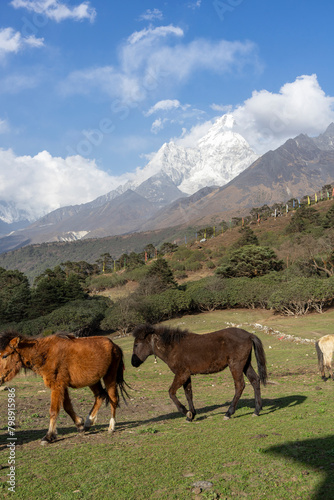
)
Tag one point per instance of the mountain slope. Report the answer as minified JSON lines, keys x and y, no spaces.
{"x":118,"y":216}
{"x":296,"y":168}
{"x":174,"y":171}
{"x":300,"y":166}
{"x":218,"y":157}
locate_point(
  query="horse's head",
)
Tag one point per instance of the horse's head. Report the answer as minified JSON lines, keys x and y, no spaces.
{"x":10,"y":361}
{"x":143,"y":344}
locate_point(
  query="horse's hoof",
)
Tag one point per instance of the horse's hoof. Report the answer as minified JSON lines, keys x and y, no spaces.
{"x":81,"y":427}
{"x":189,"y":416}
{"x":255,"y":415}
{"x":226,"y":417}
{"x":48,"y":440}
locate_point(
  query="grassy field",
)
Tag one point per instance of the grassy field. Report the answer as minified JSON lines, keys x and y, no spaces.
{"x":286,"y":453}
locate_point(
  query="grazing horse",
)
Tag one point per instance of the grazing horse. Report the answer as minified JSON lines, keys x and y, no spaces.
{"x":189,"y":354}
{"x":66,"y":361}
{"x":325,"y":350}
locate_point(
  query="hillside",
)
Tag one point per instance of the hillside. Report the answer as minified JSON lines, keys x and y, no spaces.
{"x":34,"y":259}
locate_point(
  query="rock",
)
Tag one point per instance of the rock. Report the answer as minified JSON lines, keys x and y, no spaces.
{"x":203,"y":485}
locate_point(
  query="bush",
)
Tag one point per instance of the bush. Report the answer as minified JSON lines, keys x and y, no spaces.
{"x":81,"y":317}
{"x":249,"y":261}
{"x":210,"y":265}
{"x":104,"y":281}
{"x":248,"y":237}
{"x":192,"y":266}
{"x":156,"y":308}
{"x":122,"y":316}
{"x":301,"y":295}
{"x":177,"y":266}
{"x":136,"y":274}
{"x":207,"y":295}
{"x":182,"y":253}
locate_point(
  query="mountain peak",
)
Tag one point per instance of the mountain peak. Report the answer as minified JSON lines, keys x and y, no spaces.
{"x":325,"y":141}
{"x":218,"y":157}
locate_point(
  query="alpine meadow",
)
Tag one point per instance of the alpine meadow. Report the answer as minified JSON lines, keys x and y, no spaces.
{"x":166,"y":250}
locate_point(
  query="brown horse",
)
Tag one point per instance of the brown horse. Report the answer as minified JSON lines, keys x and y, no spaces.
{"x":189,"y":354}
{"x":66,"y":361}
{"x":325,"y":350}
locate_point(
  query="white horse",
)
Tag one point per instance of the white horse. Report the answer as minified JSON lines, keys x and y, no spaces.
{"x":325,"y":349}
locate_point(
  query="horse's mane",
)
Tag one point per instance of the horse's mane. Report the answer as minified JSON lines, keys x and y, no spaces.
{"x":7,"y":336}
{"x":64,"y":335}
{"x":167,"y":334}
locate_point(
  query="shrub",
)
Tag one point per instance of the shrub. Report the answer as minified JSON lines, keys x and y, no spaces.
{"x":155,"y":308}
{"x":301,"y":295}
{"x":122,"y":316}
{"x":182,"y":253}
{"x":81,"y":317}
{"x":192,"y":266}
{"x":249,"y":261}
{"x":136,"y":274}
{"x":248,"y":237}
{"x":104,"y":281}
{"x":177,"y":266}
{"x":207,"y":295}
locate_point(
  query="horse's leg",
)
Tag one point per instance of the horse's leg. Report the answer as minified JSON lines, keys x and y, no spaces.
{"x":179,"y":380}
{"x":79,"y":421}
{"x":255,"y":381}
{"x":239,"y":384}
{"x":111,"y":387}
{"x":189,"y":395}
{"x":329,"y":365}
{"x":100,"y":395}
{"x":57,"y":398}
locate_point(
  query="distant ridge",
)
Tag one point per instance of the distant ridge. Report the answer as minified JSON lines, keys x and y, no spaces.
{"x":297,"y":167}
{"x":301,"y":165}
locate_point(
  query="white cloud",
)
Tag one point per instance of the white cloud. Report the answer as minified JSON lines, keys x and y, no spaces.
{"x":15,"y":83}
{"x":147,"y":35}
{"x":195,"y":5}
{"x":154,"y":59}
{"x":268,"y":119}
{"x":222,"y":108}
{"x":43,"y":183}
{"x":56,"y":10}
{"x":151,"y":14}
{"x":4,"y":127}
{"x":165,"y":105}
{"x":12,"y":41}
{"x":158,"y":125}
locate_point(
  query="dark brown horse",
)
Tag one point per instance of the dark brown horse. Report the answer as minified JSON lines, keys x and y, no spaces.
{"x":189,"y":354}
{"x":66,"y":361}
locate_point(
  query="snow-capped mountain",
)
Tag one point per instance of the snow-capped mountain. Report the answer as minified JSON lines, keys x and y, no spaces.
{"x":218,"y":157}
{"x":174,"y":171}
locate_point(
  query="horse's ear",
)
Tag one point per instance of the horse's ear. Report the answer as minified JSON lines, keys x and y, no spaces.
{"x":14,"y":342}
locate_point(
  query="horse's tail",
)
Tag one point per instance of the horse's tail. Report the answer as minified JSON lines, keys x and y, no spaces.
{"x":260,"y":358}
{"x":121,"y":384}
{"x":320,"y":355}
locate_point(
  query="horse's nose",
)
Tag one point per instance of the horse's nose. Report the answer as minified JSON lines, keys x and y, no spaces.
{"x":135,"y":361}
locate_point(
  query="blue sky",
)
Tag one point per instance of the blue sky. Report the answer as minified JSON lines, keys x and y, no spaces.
{"x":89,"y":90}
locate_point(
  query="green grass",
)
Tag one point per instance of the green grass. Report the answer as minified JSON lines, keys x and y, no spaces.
{"x":287,"y":452}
